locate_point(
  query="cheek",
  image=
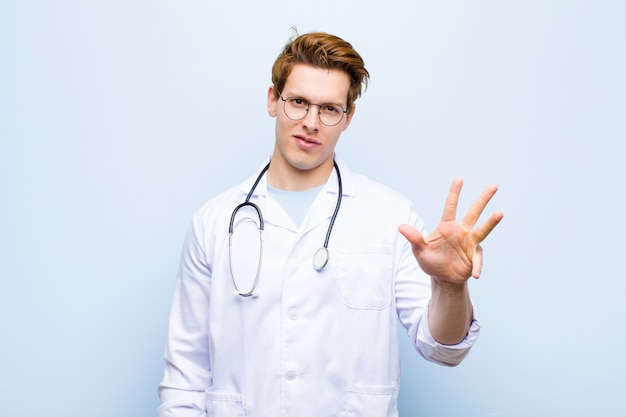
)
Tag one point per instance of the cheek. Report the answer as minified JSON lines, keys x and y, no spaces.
{"x":337,"y":133}
{"x":281,"y":122}
{"x":283,"y":127}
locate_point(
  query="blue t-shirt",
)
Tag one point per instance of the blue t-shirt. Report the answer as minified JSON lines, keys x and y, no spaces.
{"x":295,"y":203}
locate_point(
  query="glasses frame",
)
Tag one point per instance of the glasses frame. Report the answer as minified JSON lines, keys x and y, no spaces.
{"x":308,"y":106}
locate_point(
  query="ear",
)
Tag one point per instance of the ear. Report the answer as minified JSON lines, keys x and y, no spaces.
{"x":349,"y":117}
{"x":271,"y":102}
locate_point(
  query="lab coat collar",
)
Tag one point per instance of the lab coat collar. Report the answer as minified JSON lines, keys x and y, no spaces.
{"x":261,"y":188}
{"x":332,"y":185}
{"x":278,"y":216}
{"x":347,"y":180}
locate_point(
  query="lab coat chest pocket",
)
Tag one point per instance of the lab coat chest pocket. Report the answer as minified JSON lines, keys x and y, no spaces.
{"x":365,"y":274}
{"x":223,"y":404}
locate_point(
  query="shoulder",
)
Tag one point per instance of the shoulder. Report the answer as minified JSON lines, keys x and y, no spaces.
{"x":366,"y":185}
{"x":365,"y":189}
{"x":373,"y":202}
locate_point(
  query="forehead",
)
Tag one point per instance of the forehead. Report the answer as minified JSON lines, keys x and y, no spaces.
{"x":318,"y":85}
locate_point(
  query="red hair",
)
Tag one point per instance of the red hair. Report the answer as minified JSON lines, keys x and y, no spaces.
{"x":321,"y":50}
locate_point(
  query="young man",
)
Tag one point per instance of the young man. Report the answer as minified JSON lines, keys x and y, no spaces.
{"x":287,"y":305}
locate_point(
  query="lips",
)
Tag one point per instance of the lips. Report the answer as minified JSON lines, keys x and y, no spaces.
{"x":306,"y":142}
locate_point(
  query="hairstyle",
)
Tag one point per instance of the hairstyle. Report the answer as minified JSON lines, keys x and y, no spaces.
{"x":321,"y":50}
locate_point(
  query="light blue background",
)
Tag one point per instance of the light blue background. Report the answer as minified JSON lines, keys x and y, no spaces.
{"x":119,"y":118}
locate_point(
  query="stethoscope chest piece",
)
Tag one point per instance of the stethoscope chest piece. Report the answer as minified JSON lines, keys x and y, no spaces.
{"x":320,"y":259}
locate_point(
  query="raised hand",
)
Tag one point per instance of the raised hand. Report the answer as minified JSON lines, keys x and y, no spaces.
{"x":452,"y":252}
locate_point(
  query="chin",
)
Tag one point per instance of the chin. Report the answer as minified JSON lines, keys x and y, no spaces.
{"x":307,"y":165}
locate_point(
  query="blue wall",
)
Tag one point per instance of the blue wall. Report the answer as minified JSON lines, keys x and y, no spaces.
{"x":118,"y":119}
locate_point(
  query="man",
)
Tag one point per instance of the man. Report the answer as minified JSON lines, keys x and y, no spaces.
{"x":276,"y":326}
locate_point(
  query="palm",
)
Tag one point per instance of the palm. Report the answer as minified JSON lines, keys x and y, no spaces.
{"x":452,"y":252}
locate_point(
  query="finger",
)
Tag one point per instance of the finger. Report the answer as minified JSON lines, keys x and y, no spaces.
{"x":452,"y":201}
{"x":477,"y":262}
{"x":412,"y":235}
{"x":481,"y":232}
{"x":479,"y":204}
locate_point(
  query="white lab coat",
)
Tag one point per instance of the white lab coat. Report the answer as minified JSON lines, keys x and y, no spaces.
{"x":313,"y":343}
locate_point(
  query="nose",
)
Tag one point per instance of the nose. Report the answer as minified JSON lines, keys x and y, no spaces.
{"x":312,"y":119}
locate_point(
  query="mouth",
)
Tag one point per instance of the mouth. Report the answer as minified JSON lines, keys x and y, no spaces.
{"x":306,"y":142}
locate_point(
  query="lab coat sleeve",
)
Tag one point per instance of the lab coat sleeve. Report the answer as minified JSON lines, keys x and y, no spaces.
{"x":413,"y":289}
{"x":450,"y":355}
{"x":187,"y":371}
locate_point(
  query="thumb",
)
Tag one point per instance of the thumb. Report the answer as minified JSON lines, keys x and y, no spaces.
{"x":412,"y":235}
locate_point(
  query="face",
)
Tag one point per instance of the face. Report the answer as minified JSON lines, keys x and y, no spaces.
{"x":304,"y":148}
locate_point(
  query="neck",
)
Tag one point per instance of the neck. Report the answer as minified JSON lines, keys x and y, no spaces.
{"x":289,"y":178}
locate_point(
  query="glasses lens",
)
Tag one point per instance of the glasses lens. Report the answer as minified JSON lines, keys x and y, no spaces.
{"x":329,"y":114}
{"x":296,"y":108}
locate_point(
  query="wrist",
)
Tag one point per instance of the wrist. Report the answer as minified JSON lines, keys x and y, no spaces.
{"x":448,"y":286}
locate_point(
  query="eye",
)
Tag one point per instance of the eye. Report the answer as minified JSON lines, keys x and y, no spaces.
{"x":298,"y":102}
{"x":330,"y":109}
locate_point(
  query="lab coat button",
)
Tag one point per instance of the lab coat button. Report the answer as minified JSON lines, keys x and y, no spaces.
{"x":290,"y":375}
{"x":293,"y":314}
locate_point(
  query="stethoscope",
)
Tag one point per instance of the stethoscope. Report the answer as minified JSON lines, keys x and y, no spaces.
{"x":320,"y":258}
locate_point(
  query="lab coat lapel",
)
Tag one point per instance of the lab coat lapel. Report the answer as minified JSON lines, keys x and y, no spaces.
{"x":271,"y":210}
{"x":320,"y":212}
{"x":277,"y":215}
{"x":325,"y":203}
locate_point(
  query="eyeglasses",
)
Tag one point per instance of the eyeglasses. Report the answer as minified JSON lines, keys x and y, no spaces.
{"x":297,"y":108}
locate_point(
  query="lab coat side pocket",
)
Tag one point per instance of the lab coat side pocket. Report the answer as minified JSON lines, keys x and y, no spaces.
{"x":224,"y":404}
{"x":370,"y":401}
{"x":365,"y":274}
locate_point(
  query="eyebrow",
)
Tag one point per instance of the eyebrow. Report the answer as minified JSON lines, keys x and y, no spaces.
{"x":300,"y":96}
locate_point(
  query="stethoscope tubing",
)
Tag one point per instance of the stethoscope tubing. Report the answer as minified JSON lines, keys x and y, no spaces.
{"x":318,"y":264}
{"x":334,"y":217}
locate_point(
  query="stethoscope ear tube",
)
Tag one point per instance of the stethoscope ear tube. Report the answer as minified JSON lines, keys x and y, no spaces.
{"x":244,"y":204}
{"x":237,"y":291}
{"x":252,"y":292}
